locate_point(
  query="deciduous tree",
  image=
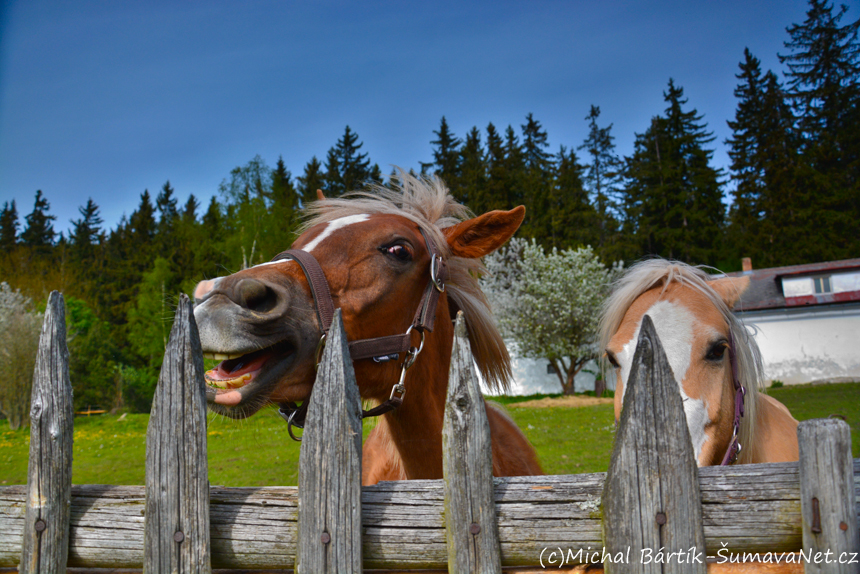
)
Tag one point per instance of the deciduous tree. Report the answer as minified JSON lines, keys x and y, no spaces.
{"x":548,"y":302}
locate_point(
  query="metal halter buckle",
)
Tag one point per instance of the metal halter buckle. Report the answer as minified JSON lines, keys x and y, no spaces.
{"x":398,"y":388}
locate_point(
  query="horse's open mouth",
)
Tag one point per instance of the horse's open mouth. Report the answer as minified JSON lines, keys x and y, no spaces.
{"x":232,"y":378}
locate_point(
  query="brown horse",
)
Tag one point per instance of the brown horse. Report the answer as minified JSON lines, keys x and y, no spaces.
{"x":384,"y":254}
{"x":714,"y":359}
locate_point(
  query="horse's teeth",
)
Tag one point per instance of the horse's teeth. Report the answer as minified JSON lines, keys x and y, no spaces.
{"x":222,"y":356}
{"x":229,"y":383}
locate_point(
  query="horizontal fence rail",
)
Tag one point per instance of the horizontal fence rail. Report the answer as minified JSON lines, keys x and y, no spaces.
{"x":468,"y":522}
{"x":750,"y":508}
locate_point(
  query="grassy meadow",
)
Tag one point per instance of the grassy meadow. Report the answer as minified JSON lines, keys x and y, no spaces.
{"x":258,"y":451}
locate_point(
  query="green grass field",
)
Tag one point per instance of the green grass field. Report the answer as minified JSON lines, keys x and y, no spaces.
{"x":258,"y":451}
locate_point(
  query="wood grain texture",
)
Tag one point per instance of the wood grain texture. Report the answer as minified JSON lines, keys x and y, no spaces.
{"x":651,"y":500}
{"x":467,"y":461}
{"x":330,"y":466}
{"x":827,"y":496}
{"x":176,"y":525}
{"x":49,"y":474}
{"x":750,"y":508}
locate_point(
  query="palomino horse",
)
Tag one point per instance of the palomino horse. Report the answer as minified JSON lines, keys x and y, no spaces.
{"x":714,"y":359}
{"x":399,"y":263}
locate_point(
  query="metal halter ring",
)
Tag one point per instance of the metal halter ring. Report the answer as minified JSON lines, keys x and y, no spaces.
{"x":319,"y":352}
{"x":291,"y":424}
{"x":412,"y":353}
{"x":440,"y":286}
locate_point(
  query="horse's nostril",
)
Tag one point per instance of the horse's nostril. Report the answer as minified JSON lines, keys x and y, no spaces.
{"x":254,"y":295}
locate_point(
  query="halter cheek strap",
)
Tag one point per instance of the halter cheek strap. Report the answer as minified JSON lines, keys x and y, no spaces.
{"x":735,"y":446}
{"x":380,"y":349}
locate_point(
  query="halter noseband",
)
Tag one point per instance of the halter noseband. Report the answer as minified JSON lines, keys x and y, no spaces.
{"x":735,"y":446}
{"x":380,"y":349}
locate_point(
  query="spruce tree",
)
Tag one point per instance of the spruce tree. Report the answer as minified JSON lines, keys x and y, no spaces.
{"x":473,"y":172}
{"x":283,"y":191}
{"x":168,"y":212}
{"x":514,"y":171}
{"x":446,"y":158}
{"x":8,"y":227}
{"x":39,"y":232}
{"x":603,"y":180}
{"x":212,"y":217}
{"x":823,"y":80}
{"x":139,"y":238}
{"x":673,"y":195}
{"x":346,"y":168}
{"x":85,"y":246}
{"x":765,"y":216}
{"x":87,"y":229}
{"x":573,"y":215}
{"x":310,"y":181}
{"x":823,"y":71}
{"x":495,"y":195}
{"x":536,"y":181}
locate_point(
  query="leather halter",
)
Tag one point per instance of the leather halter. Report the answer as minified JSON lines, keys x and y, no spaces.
{"x":735,"y":446}
{"x":380,"y":349}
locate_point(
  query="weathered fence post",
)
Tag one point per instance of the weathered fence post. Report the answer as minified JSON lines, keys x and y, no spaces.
{"x":329,"y":536}
{"x":827,"y":496}
{"x":176,"y":529}
{"x":651,"y":500}
{"x":49,"y":476}
{"x":470,"y":509}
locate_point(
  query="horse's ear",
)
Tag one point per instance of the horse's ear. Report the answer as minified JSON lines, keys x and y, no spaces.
{"x":320,"y":195}
{"x":730,"y":288}
{"x":484,"y":234}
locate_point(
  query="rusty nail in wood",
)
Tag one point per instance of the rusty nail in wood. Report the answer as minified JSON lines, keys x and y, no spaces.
{"x":475,"y":528}
{"x":661,"y":518}
{"x":40,"y":525}
{"x":816,"y":517}
{"x":178,"y":536}
{"x":843,"y":527}
{"x":325,"y":537}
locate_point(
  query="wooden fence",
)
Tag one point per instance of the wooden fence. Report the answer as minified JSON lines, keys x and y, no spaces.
{"x":654,"y":511}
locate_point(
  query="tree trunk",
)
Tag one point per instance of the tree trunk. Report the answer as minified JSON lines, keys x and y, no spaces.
{"x":568,"y":387}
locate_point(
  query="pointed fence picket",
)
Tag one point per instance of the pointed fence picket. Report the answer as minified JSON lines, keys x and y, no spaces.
{"x":653,"y":497}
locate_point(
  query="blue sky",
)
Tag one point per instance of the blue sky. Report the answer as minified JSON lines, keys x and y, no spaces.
{"x":104,"y":99}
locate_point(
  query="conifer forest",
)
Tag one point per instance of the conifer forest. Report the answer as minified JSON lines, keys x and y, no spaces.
{"x":791,"y":195}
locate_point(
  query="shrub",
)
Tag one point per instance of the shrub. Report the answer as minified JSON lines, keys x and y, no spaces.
{"x":20,"y":326}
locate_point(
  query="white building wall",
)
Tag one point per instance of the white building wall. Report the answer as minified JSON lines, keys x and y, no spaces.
{"x":808,"y":344}
{"x":530,"y":376}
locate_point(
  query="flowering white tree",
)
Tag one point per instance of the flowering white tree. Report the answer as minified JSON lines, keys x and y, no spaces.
{"x":549,"y":303}
{"x":20,"y":326}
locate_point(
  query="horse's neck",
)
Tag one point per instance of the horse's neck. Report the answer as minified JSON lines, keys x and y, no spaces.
{"x":415,"y":428}
{"x":776,"y":432}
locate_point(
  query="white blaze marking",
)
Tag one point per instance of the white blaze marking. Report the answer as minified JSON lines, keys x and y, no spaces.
{"x":674,"y":326}
{"x":272,"y":263}
{"x":333,"y":226}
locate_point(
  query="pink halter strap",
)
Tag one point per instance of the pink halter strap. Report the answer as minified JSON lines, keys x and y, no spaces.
{"x":735,"y":446}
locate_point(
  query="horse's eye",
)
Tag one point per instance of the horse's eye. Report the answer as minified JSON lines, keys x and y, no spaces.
{"x":610,"y":356}
{"x":716,"y":352}
{"x":399,"y":252}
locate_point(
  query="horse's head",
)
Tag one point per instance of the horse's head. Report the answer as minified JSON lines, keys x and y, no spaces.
{"x":693,"y":319}
{"x":375,"y":254}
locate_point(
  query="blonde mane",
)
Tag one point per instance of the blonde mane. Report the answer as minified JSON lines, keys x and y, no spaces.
{"x":651,"y":273}
{"x":426,"y":201}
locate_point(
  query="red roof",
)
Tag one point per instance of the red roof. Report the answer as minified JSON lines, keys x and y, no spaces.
{"x":765,"y":290}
